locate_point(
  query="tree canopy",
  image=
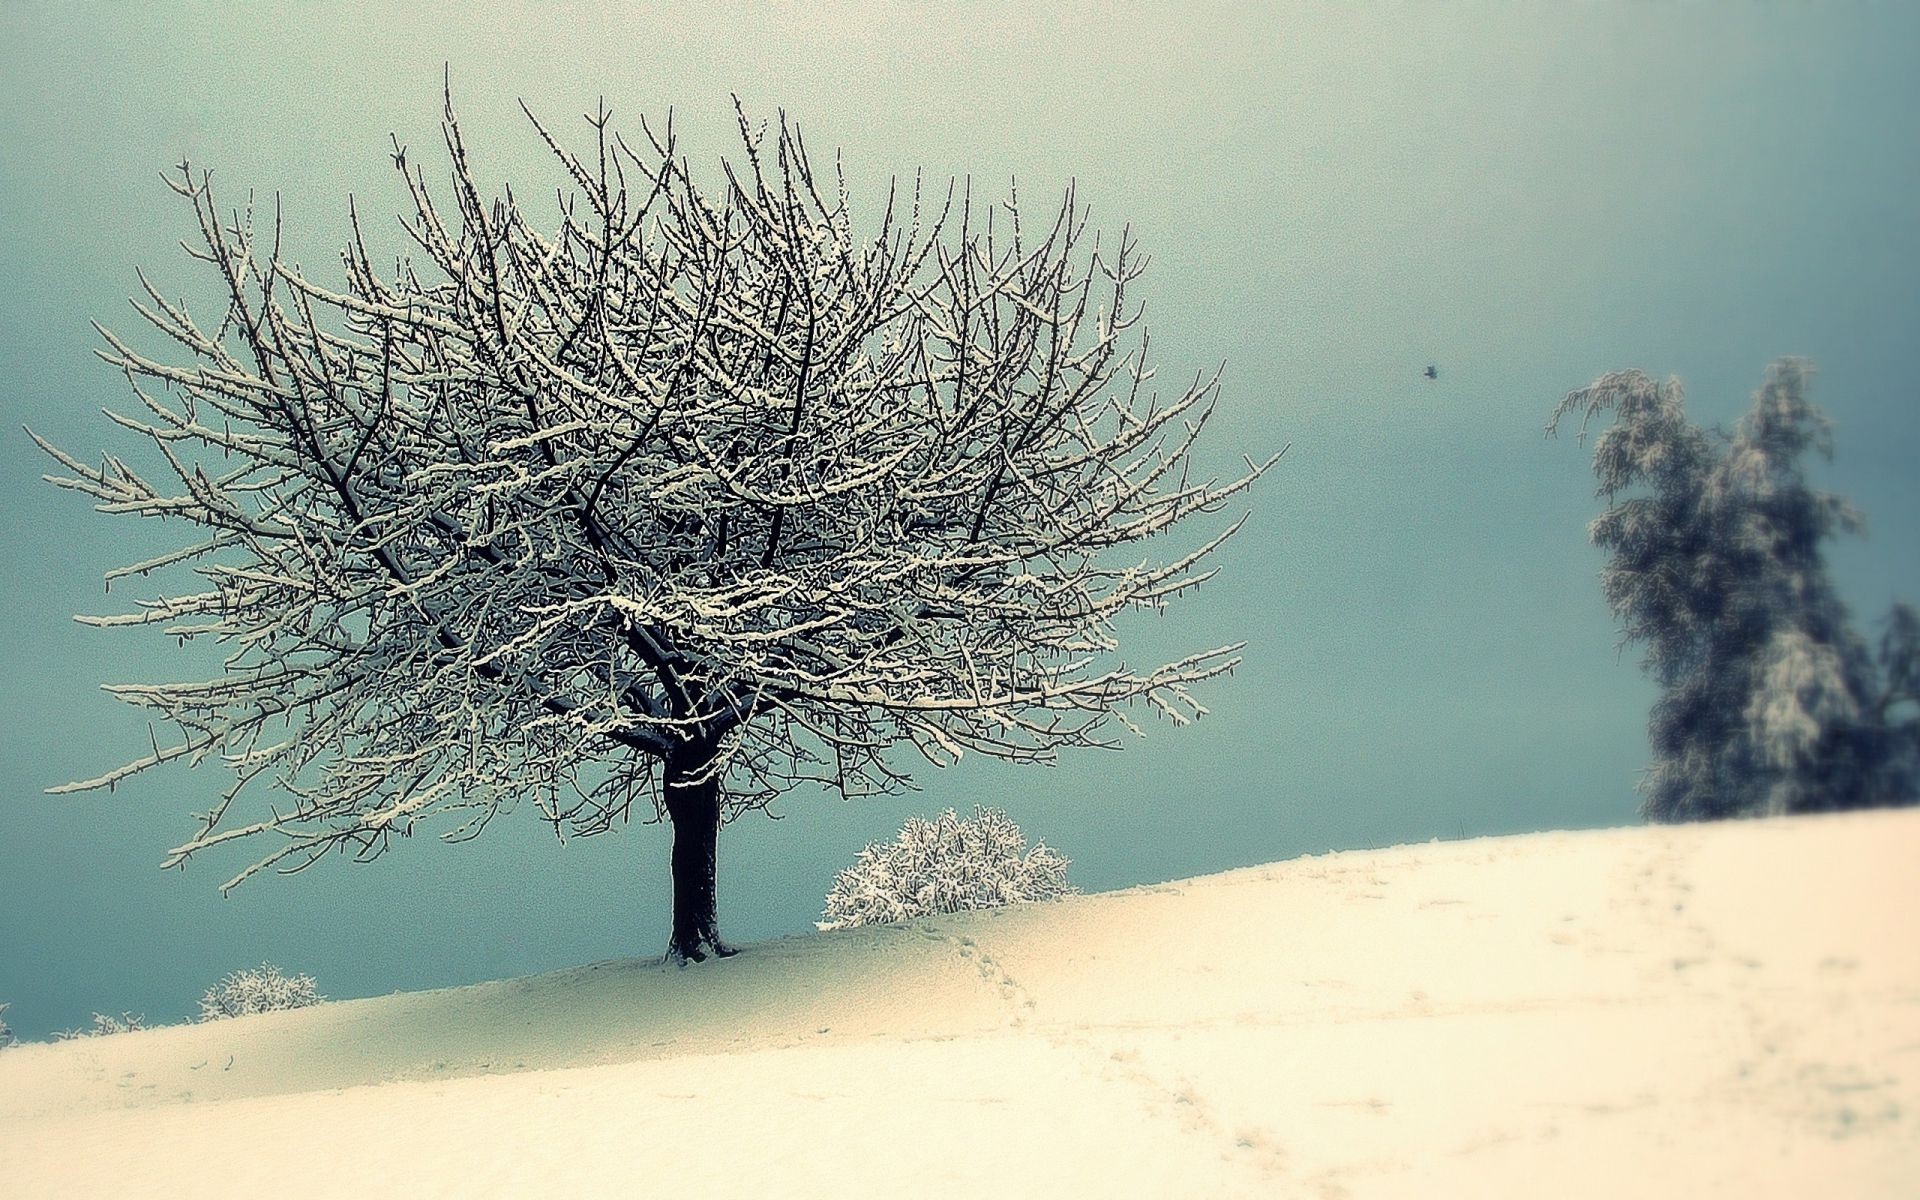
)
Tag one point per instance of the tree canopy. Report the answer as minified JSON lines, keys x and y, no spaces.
{"x":1770,"y":701}
{"x":674,"y":501}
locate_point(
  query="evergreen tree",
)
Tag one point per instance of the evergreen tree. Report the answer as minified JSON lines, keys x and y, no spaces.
{"x":1771,"y":701}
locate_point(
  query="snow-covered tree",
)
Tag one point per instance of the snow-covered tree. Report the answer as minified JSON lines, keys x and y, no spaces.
{"x":1898,"y":708}
{"x":264,"y":988}
{"x":1770,"y":701}
{"x":945,"y":865}
{"x":681,"y":498}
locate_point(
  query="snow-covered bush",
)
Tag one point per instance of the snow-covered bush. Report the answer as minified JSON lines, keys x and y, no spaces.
{"x":945,"y":865}
{"x":103,"y":1026}
{"x":257,"y":989}
{"x":6,"y":1034}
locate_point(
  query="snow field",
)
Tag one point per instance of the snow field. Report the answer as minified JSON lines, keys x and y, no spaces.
{"x":1670,"y":1011}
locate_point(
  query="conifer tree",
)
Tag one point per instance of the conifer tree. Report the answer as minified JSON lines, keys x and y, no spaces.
{"x":1770,"y":701}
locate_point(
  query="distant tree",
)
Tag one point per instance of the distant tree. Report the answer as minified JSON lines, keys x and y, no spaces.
{"x":1770,"y":701}
{"x":948,"y":864}
{"x":1898,"y":708}
{"x":689,"y":497}
{"x":265,"y":988}
{"x":6,"y":1034}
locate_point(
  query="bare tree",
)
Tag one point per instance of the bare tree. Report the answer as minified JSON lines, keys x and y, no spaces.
{"x":695,"y":497}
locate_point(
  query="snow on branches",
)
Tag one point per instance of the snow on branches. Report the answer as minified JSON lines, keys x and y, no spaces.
{"x":1771,"y":702}
{"x":104,"y":1025}
{"x":686,"y":470}
{"x":945,"y":865}
{"x":264,"y":988}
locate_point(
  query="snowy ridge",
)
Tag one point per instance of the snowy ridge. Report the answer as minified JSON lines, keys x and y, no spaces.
{"x":1682,"y":1010}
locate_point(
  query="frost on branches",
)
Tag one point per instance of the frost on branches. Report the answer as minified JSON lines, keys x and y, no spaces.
{"x":1771,"y":702}
{"x":671,"y":500}
{"x":945,"y":865}
{"x":257,"y":989}
{"x":104,"y":1026}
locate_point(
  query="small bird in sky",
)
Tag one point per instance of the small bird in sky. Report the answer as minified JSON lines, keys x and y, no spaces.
{"x":1432,"y":372}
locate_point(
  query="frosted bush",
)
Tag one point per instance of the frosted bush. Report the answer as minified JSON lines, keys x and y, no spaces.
{"x":258,"y":989}
{"x":6,"y":1034}
{"x":945,"y":865}
{"x":104,"y":1026}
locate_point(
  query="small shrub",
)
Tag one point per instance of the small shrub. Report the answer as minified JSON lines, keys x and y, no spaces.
{"x":945,"y":865}
{"x":104,"y":1026}
{"x":258,"y":989}
{"x":6,"y":1034}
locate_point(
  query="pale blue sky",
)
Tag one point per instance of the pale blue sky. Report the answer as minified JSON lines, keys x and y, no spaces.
{"x":1333,"y":195}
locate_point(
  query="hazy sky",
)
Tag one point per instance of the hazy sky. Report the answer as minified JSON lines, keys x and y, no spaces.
{"x":1333,"y":196}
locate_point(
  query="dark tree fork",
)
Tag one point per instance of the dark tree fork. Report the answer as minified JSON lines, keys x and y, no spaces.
{"x":681,"y":498}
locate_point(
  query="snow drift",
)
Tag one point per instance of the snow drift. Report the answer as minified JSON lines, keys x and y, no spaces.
{"x":1728,"y":1010}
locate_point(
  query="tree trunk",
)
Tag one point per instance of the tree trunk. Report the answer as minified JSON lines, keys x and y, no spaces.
{"x":693,"y":805}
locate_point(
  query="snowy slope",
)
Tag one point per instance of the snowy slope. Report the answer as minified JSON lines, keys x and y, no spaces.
{"x":1730,"y":1010}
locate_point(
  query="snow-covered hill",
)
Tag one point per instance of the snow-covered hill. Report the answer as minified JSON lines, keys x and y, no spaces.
{"x":1691,"y":1011}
